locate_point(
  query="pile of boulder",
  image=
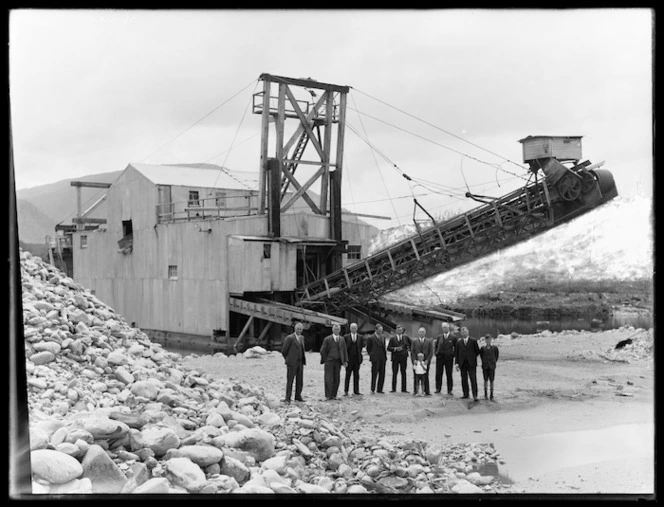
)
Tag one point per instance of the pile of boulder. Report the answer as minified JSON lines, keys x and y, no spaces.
{"x":112,"y":412}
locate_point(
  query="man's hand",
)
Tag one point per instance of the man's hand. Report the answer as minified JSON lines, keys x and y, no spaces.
{"x":345,"y":365}
{"x":457,"y":367}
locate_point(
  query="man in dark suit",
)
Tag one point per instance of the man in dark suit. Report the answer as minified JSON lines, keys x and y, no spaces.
{"x":293,"y":352}
{"x":489,"y":355}
{"x":425,"y":346}
{"x":377,"y":350}
{"x":467,"y":350}
{"x":354,"y":345}
{"x":333,"y":355}
{"x":398,"y":346}
{"x":444,"y":348}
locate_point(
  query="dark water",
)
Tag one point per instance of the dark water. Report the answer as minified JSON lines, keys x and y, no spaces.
{"x":480,"y":326}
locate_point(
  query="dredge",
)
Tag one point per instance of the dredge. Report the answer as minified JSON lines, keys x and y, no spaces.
{"x":231,"y":260}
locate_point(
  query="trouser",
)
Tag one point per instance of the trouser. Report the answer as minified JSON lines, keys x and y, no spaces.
{"x":332,"y":377}
{"x":354,"y":370}
{"x":377,"y":375}
{"x":419,"y":382}
{"x":294,"y":373}
{"x":424,"y":377}
{"x":399,"y":364}
{"x":444,"y":363}
{"x":468,"y":372}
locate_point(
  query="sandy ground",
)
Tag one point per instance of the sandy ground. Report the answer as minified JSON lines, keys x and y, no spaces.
{"x":564,"y":420}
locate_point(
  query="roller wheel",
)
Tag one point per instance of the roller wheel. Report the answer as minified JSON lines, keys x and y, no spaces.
{"x":569,"y":187}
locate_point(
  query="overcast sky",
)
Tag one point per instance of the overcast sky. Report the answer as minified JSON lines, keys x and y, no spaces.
{"x":94,"y":90}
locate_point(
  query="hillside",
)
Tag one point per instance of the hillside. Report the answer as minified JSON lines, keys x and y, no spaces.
{"x":611,"y":243}
{"x":34,"y":225}
{"x":47,"y":205}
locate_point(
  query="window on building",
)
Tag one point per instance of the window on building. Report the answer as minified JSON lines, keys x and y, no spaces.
{"x":220,"y":199}
{"x":354,"y":252}
{"x":172,"y":272}
{"x":127,"y":228}
{"x":267,"y":250}
{"x":193,"y":198}
{"x":84,"y":241}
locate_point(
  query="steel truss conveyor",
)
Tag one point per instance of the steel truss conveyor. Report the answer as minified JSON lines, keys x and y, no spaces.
{"x":562,"y":195}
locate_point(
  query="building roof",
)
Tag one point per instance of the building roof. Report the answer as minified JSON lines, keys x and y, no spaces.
{"x":528,"y":138}
{"x":203,"y":177}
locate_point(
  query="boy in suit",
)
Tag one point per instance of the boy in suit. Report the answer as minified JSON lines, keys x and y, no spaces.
{"x":333,"y":355}
{"x":489,"y":355}
{"x":354,"y":344}
{"x":293,"y":352}
{"x":422,"y":345}
{"x":398,"y":346}
{"x":467,"y":350}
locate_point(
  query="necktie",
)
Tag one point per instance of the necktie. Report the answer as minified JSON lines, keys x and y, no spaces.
{"x":398,"y":339}
{"x":353,"y":338}
{"x":335,"y":340}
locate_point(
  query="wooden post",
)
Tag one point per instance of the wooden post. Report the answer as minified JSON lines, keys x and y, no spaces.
{"x":265,"y":127}
{"x":327,"y":140}
{"x":274,"y":197}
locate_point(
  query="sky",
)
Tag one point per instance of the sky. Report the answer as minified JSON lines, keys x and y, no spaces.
{"x":441,"y":95}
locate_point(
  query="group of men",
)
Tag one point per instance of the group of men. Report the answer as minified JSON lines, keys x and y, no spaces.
{"x":451,"y":350}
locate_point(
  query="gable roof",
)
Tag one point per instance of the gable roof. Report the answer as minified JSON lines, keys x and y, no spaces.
{"x":200,"y":177}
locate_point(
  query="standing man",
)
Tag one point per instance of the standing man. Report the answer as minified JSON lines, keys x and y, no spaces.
{"x":444,"y":350}
{"x":354,"y":344}
{"x":377,"y":349}
{"x":333,"y":355}
{"x":422,"y":345}
{"x":293,"y":352}
{"x":467,"y":350}
{"x":398,"y":346}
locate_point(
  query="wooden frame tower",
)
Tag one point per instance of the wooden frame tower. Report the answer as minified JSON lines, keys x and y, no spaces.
{"x":325,"y":108}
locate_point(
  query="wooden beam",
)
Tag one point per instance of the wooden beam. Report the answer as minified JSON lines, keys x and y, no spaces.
{"x":302,"y":190}
{"x":304,"y":122}
{"x":300,"y":128}
{"x":297,"y":186}
{"x":327,"y":147}
{"x":265,"y":127}
{"x":244,"y":331}
{"x":89,"y":184}
{"x":307,"y":83}
{"x":83,"y":220}
{"x":264,"y":331}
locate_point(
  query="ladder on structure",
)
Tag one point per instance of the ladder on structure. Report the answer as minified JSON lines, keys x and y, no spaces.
{"x":297,"y":156}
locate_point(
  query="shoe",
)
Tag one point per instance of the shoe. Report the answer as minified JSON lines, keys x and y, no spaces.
{"x":393,"y":391}
{"x":345,"y":394}
{"x":449,"y":392}
{"x":372,"y":391}
{"x":327,"y":398}
{"x":299,"y":399}
{"x":404,"y":391}
{"x":465,"y":396}
{"x":437,"y":391}
{"x":486,"y":397}
{"x":380,"y":392}
{"x":285,"y":401}
{"x":357,"y":394}
{"x":491,"y":398}
{"x":476,"y":398}
{"x":415,"y":394}
{"x":427,"y":394}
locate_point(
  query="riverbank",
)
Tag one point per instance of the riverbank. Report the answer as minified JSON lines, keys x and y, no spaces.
{"x":546,"y":384}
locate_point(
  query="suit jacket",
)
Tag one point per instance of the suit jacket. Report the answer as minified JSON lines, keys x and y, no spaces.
{"x":489,"y":356}
{"x":425,"y":348}
{"x":292,"y":351}
{"x":393,"y":344}
{"x":446,"y":346}
{"x":354,"y":350}
{"x":327,"y":351}
{"x":376,"y":347}
{"x":467,"y":353}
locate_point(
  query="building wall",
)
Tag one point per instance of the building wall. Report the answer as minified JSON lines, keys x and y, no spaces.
{"x":137,"y":285}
